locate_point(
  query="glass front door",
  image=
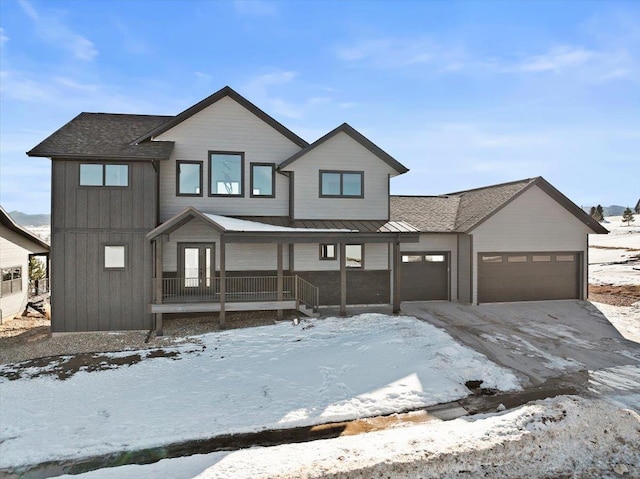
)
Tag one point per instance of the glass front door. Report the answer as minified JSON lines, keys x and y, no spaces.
{"x":197,"y":266}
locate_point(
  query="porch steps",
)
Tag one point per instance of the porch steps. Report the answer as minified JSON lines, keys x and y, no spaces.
{"x":308,"y":311}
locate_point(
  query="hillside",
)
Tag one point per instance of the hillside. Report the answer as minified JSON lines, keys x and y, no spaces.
{"x":24,"y":219}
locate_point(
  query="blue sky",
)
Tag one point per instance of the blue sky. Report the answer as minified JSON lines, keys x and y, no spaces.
{"x":465,"y":94}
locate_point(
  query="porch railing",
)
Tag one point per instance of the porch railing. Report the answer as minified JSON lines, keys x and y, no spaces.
{"x":38,"y":287}
{"x":240,"y":289}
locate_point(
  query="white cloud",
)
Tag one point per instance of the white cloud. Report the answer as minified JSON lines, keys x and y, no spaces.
{"x":52,"y":29}
{"x":258,"y":8}
{"x":617,"y":73}
{"x":259,"y":90}
{"x":390,"y":52}
{"x":3,"y":38}
{"x":556,"y":59}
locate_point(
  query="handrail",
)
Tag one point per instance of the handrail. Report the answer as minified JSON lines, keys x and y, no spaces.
{"x":241,"y":289}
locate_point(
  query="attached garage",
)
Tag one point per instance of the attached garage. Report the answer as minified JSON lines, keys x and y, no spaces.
{"x":424,"y":276}
{"x":532,"y":276}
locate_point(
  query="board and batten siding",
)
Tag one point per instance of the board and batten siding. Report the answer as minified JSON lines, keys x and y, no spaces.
{"x":225,"y":126}
{"x":439,"y":243}
{"x":341,"y":153}
{"x":85,"y":296}
{"x":531,"y":222}
{"x":14,"y":251}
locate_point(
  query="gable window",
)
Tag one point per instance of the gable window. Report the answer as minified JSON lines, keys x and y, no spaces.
{"x":11,"y":280}
{"x":226,"y":173}
{"x":115,"y":257}
{"x":355,"y":255}
{"x":263,"y":180}
{"x":188,"y":178}
{"x":98,"y":174}
{"x":341,"y":184}
{"x":328,"y":251}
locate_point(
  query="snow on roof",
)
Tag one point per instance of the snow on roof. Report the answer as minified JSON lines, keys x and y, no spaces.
{"x":235,"y":224}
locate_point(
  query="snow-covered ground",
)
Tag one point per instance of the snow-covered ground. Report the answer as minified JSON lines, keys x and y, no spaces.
{"x":242,"y":380}
{"x":562,"y":437}
{"x":615,"y":258}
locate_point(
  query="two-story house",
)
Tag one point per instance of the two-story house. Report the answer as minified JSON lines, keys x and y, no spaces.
{"x":222,"y":208}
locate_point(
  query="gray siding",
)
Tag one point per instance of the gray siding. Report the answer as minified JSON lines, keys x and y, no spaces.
{"x":465,"y":244}
{"x":85,"y":296}
{"x":341,"y":153}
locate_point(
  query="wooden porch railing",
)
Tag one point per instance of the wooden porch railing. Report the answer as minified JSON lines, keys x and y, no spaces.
{"x":240,"y":289}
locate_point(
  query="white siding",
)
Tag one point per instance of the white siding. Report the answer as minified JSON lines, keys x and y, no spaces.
{"x":341,"y":153}
{"x":14,"y":251}
{"x":307,"y":257}
{"x":225,"y":126}
{"x":532,"y":222}
{"x":239,"y":256}
{"x":439,"y":243}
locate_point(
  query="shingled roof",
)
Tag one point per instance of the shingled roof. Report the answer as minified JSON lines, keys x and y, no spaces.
{"x":462,"y":211}
{"x":105,"y":136}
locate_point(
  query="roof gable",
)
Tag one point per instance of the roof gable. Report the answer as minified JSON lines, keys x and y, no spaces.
{"x":8,"y":221}
{"x":210,"y":100}
{"x":355,"y":135}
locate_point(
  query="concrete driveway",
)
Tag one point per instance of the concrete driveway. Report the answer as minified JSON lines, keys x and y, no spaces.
{"x":566,"y":343}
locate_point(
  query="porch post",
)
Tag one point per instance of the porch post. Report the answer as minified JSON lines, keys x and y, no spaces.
{"x":223,"y":281}
{"x":280,"y":280}
{"x":396,"y":276}
{"x":343,"y":279}
{"x":158,"y":285}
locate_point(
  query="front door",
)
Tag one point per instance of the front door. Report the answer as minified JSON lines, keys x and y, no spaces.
{"x":197,"y":268}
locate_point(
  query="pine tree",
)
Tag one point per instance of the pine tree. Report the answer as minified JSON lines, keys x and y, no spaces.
{"x":627,"y":216}
{"x":599,"y":213}
{"x":592,"y":212}
{"x":36,"y":269}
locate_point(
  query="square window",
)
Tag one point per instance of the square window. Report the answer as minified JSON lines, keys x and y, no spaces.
{"x":262,"y":180}
{"x":189,"y":178}
{"x":115,"y":257}
{"x":91,"y":175}
{"x":116,"y":175}
{"x":330,"y":184}
{"x":352,"y":184}
{"x":328,"y":251}
{"x":226,"y":173}
{"x":354,"y":256}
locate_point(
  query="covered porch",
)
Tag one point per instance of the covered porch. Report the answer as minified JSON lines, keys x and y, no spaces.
{"x":207,"y":282}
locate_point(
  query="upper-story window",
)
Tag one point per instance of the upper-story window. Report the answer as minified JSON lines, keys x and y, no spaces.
{"x":226,"y":173}
{"x":341,"y":184}
{"x":188,"y":178}
{"x":263,"y":180}
{"x":98,"y":174}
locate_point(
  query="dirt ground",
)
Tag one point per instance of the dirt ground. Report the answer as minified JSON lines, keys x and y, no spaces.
{"x":624,"y":295}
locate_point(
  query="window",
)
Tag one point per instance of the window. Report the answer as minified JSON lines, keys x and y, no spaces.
{"x":516,"y":259}
{"x":564,"y":258}
{"x":226,"y":173}
{"x":11,"y":280}
{"x":411,"y":258}
{"x":328,"y":251}
{"x":115,"y":256}
{"x":97,"y":174}
{"x":341,"y":184}
{"x":354,"y":254}
{"x":189,"y":178}
{"x":544,"y":258}
{"x":434,"y":258}
{"x":263,"y":180}
{"x":492,"y":259}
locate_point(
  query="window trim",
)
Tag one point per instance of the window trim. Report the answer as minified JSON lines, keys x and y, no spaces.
{"x":211,"y":193}
{"x":341,"y":173}
{"x":188,"y":162}
{"x":361,"y":255}
{"x":328,"y":258}
{"x":273,"y":180}
{"x":104,"y":174}
{"x":126,"y":257}
{"x":10,"y":282}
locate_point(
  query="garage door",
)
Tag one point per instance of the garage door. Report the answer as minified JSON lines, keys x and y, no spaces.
{"x":424,"y":276}
{"x":528,"y":276}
